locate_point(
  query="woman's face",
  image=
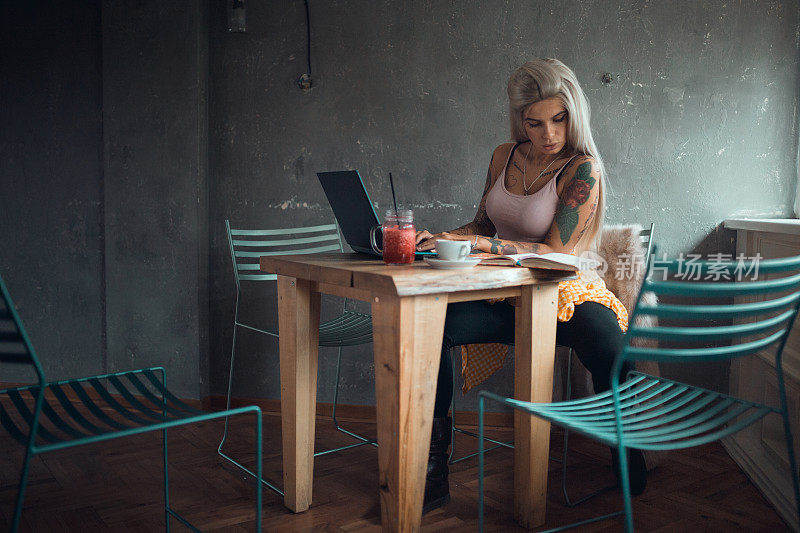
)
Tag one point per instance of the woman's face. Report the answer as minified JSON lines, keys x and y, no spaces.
{"x":546,"y":125}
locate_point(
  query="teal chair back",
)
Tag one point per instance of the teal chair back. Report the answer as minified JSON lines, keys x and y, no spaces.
{"x":247,"y":246}
{"x":15,"y":346}
{"x":764,"y":310}
{"x":646,"y":238}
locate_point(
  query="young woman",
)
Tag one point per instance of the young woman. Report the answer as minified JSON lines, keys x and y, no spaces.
{"x":543,"y":193}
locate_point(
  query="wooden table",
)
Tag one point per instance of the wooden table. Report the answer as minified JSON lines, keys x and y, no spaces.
{"x":408,"y":310}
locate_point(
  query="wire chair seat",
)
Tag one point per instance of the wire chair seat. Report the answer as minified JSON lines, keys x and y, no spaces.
{"x":54,"y":415}
{"x":351,"y":328}
{"x":657,"y":414}
{"x":71,"y":422}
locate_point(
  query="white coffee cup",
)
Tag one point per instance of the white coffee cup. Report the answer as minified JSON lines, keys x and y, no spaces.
{"x":453,"y":250}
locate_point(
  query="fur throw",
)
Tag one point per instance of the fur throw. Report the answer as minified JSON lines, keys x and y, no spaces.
{"x":621,"y":249}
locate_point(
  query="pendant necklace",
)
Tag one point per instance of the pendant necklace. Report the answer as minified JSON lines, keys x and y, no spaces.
{"x":524,"y":171}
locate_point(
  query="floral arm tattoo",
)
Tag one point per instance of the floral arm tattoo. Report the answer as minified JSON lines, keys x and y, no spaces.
{"x":578,"y":191}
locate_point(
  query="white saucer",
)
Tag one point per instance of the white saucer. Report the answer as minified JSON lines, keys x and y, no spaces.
{"x":451,"y":265}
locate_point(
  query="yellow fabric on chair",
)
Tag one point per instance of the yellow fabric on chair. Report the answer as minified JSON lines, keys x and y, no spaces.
{"x":479,"y":361}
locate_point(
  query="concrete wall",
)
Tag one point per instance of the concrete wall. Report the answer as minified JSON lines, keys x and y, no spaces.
{"x":699,"y":124}
{"x":155,"y":146}
{"x":103,"y":215}
{"x":51,"y":190}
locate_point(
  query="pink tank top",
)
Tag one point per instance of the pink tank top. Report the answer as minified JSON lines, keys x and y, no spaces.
{"x":520,"y":217}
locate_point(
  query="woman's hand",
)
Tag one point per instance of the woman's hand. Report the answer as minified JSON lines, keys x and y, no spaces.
{"x":426,"y":241}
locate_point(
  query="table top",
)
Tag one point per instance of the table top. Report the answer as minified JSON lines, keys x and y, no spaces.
{"x":361,"y":272}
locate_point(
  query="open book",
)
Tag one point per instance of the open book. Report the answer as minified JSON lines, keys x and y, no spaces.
{"x":553,"y":260}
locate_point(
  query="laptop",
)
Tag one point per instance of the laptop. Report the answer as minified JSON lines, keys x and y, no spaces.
{"x":353,"y":209}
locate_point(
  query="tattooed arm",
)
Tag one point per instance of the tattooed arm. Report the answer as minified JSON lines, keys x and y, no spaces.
{"x":480,"y":225}
{"x":574,"y":213}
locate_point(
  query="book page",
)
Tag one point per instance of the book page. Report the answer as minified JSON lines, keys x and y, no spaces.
{"x":531,"y":259}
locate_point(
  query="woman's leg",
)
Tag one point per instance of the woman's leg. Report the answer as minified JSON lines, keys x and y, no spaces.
{"x":469,"y":323}
{"x":465,"y":323}
{"x":592,"y":331}
{"x":595,"y":335}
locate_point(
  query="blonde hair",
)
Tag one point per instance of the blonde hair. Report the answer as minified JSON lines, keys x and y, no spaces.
{"x":540,"y":79}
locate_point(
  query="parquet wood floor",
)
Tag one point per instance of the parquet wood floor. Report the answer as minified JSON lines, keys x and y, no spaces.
{"x":117,"y":486}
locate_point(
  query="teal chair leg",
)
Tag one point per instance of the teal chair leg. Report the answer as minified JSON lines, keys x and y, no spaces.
{"x":569,"y":502}
{"x":23,"y":483}
{"x":792,"y":461}
{"x":230,"y":374}
{"x":626,"y":488}
{"x":454,"y":429}
{"x":259,"y":472}
{"x":363,"y":439}
{"x":23,"y":477}
{"x":165,"y":443}
{"x":166,"y":482}
{"x":625,"y":483}
{"x":228,"y":406}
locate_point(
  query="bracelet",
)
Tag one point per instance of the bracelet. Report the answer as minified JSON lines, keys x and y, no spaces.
{"x":475,"y":243}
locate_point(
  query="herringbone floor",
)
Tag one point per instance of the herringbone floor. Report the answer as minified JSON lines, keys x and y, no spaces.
{"x":117,"y":486}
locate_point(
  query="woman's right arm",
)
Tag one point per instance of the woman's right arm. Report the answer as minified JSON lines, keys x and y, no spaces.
{"x":481,"y":224}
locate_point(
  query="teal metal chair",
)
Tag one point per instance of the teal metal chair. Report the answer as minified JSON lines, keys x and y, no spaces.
{"x":50,"y":416}
{"x":350,"y":328}
{"x":652,"y":413}
{"x":646,"y":238}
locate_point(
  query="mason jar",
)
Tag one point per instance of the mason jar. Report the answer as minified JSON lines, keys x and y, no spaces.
{"x":399,"y":235}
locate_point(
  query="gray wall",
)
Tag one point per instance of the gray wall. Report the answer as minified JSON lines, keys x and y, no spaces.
{"x":155,"y":146}
{"x":131,"y":130}
{"x":699,"y":124}
{"x":51,"y":169}
{"x":103,"y":213}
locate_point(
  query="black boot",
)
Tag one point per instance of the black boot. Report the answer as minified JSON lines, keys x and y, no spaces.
{"x":437,"y":489}
{"x":637,"y":469}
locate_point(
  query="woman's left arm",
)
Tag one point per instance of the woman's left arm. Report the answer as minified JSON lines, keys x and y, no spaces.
{"x":574,"y":213}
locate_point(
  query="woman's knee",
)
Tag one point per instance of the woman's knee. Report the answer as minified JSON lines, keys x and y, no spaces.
{"x":594,"y":333}
{"x":476,"y":322}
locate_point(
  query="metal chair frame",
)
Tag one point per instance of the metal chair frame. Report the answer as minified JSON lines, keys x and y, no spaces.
{"x":646,"y":237}
{"x":653,"y":413}
{"x":93,"y":413}
{"x":351,"y":328}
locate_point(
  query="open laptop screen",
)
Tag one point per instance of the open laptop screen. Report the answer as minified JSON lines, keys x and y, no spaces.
{"x":353,"y":209}
{"x":351,"y":206}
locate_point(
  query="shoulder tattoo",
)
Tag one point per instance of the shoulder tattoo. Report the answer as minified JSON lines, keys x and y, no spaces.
{"x":576,"y":194}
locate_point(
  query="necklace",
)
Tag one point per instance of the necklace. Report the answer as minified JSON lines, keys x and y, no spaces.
{"x":525,"y":169}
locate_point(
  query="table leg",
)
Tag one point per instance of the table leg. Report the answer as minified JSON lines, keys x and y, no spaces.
{"x":534,"y":354}
{"x":298,"y":323}
{"x":407,"y":333}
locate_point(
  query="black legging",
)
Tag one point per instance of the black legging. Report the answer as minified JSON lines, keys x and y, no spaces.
{"x":593,"y":332}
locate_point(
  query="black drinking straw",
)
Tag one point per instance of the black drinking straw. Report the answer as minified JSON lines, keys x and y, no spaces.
{"x":394,"y":199}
